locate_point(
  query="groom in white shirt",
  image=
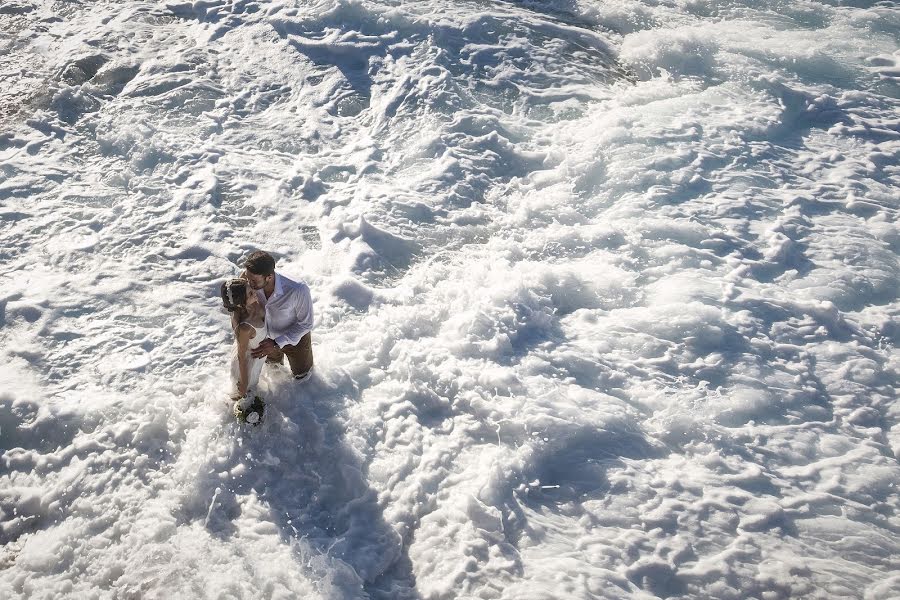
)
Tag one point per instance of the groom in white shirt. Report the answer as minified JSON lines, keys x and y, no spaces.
{"x":289,"y":315}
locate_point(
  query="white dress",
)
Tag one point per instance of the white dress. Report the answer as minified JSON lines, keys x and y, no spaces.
{"x":254,"y":365}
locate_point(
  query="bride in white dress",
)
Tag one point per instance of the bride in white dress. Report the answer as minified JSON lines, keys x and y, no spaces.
{"x":248,"y":323}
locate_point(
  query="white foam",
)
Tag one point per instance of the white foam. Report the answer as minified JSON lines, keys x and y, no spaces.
{"x":606,"y":299}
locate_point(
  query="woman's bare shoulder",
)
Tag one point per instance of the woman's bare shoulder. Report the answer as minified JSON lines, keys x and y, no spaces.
{"x":246,"y":330}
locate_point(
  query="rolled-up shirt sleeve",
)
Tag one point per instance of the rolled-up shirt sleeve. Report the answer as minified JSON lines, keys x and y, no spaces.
{"x":303,"y":308}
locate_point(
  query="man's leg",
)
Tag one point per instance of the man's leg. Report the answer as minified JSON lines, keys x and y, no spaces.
{"x":300,"y":357}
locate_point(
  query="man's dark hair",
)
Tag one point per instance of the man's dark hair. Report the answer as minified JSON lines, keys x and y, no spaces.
{"x":260,"y":263}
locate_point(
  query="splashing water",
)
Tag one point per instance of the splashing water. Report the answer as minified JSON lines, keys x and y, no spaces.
{"x":606,"y":299}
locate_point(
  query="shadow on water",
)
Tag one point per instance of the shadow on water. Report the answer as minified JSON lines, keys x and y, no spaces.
{"x":570,"y":469}
{"x":299,"y":465}
{"x":353,"y":66}
{"x":573,"y":468}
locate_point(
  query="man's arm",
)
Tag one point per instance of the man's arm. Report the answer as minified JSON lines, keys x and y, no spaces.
{"x":304,"y":319}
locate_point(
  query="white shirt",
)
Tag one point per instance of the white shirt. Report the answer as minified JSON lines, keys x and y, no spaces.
{"x":289,"y":312}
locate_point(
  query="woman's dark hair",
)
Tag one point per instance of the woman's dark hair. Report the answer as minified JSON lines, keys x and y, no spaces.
{"x":260,"y":263}
{"x":234,"y":294}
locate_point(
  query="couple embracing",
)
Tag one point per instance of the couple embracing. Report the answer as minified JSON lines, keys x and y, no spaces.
{"x":272,"y":319}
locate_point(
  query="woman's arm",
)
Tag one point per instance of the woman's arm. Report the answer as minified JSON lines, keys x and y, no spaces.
{"x":243,"y":335}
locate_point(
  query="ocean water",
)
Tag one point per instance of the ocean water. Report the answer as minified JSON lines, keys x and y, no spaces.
{"x":606,"y":299}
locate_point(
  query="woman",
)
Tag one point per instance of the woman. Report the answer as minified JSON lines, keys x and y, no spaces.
{"x":248,"y":324}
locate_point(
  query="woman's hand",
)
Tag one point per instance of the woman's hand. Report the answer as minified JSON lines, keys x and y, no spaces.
{"x":266,"y":348}
{"x":242,"y":388}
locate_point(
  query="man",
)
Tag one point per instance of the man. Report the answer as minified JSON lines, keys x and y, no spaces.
{"x":289,"y":315}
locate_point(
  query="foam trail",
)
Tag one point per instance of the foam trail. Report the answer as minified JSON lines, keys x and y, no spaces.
{"x":212,"y":505}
